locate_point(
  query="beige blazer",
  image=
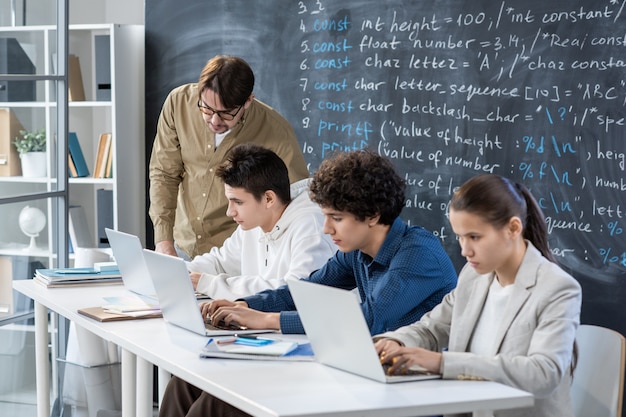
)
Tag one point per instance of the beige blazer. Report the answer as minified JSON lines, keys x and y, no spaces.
{"x":535,"y":338}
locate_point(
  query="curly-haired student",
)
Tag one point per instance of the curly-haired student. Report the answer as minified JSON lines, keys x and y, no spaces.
{"x":399,"y":271}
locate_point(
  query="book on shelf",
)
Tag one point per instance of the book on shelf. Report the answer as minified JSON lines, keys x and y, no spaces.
{"x":60,"y":277}
{"x":80,"y":235}
{"x":75,"y":88}
{"x":102,"y":156}
{"x":108,"y":172}
{"x":71,"y":168}
{"x":76,"y":91}
{"x":77,"y":156}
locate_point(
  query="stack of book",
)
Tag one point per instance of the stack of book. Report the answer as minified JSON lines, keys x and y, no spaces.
{"x":64,"y":277}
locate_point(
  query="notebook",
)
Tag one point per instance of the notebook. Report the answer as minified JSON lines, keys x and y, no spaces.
{"x":128,"y":253}
{"x":347,"y":343}
{"x":177,"y":298}
{"x":103,"y":315}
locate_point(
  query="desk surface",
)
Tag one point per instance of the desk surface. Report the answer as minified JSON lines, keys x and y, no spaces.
{"x":266,"y":388}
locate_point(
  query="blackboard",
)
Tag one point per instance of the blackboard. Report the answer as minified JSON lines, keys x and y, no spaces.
{"x":447,"y":89}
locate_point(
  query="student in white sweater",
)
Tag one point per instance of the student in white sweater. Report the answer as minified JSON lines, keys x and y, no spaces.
{"x":280,"y":230}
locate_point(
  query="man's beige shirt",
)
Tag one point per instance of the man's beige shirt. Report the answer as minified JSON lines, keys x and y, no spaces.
{"x":187,"y":201}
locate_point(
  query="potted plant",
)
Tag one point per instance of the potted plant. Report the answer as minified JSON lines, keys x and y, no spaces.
{"x":32,"y":149}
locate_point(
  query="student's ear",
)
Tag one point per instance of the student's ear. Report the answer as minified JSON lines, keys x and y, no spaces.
{"x":373,"y":220}
{"x":269,"y":198}
{"x":515,"y":226}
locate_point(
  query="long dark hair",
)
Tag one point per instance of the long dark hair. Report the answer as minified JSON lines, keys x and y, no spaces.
{"x":496,"y":199}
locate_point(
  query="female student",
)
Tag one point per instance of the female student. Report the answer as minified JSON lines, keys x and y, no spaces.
{"x":514,"y":313}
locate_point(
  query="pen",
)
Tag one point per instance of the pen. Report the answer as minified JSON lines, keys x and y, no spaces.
{"x":225,"y":341}
{"x":252,"y":342}
{"x":248,"y":341}
{"x":250,"y":336}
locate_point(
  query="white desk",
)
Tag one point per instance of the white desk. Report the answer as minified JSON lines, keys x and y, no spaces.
{"x":261,"y":388}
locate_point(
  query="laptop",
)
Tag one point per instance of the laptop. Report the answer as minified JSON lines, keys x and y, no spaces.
{"x":128,"y":253}
{"x":335,"y":326}
{"x":177,"y":298}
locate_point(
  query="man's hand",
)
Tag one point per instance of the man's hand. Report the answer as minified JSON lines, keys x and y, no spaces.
{"x":195,"y":278}
{"x":238,"y":311}
{"x":166,"y":247}
{"x":208,"y":308}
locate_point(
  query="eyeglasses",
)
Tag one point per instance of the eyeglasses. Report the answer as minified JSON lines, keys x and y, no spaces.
{"x":222,"y":114}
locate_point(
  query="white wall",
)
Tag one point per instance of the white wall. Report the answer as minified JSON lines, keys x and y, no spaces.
{"x":107,"y":11}
{"x":43,"y":12}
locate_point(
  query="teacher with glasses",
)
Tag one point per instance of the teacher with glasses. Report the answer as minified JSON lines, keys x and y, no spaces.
{"x":199,"y":123}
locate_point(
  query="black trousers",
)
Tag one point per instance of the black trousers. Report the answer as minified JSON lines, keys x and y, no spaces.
{"x":182,"y":399}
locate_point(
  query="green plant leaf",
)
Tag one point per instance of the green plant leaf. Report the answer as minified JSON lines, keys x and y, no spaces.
{"x":34,"y":141}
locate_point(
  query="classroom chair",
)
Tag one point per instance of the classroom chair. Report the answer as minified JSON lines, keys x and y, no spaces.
{"x":599,"y":376}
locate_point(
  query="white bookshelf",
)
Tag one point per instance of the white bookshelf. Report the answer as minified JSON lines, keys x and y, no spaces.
{"x":122,"y":116}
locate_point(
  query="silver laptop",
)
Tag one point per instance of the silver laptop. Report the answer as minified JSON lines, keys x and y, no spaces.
{"x":177,"y":298}
{"x":335,"y":326}
{"x":128,"y":254}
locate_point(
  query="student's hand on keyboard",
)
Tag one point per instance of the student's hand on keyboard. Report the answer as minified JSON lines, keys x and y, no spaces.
{"x":221,"y":325}
{"x":247,"y":317}
{"x":208,"y":308}
{"x":397,"y":359}
{"x":411,"y":370}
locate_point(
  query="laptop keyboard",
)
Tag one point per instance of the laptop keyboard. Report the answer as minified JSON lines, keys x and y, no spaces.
{"x":407,"y":371}
{"x":221,"y":325}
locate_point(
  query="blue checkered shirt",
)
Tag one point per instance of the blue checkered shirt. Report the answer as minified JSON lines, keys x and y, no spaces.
{"x":409,"y":276}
